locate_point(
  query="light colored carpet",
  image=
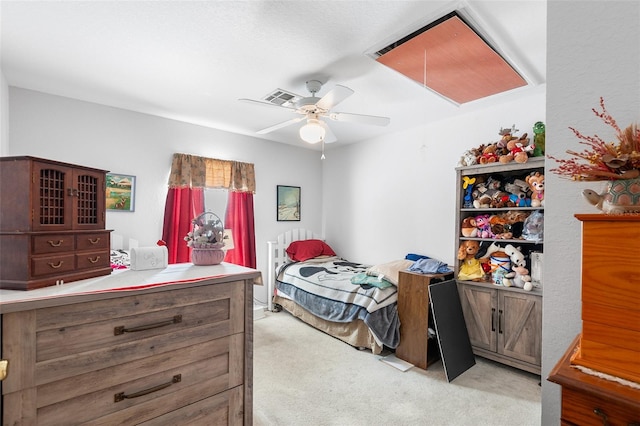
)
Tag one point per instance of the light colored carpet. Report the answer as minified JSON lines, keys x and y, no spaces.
{"x":305,"y":377}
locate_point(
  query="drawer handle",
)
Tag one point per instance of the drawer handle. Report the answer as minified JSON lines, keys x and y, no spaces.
{"x":57,"y":265}
{"x":598,"y":412}
{"x":94,"y":260}
{"x":58,"y":244}
{"x":121,"y":396}
{"x":94,"y":241}
{"x":121,"y":329}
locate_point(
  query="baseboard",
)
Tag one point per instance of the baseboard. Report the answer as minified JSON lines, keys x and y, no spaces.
{"x":258,"y":312}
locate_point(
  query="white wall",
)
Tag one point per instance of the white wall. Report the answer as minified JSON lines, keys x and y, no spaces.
{"x":121,"y":141}
{"x":593,"y":50}
{"x":394,"y":195}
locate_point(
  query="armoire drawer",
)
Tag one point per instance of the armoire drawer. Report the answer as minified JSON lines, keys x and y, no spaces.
{"x":55,"y":264}
{"x":52,"y":243}
{"x":93,"y":259}
{"x":93,"y":241}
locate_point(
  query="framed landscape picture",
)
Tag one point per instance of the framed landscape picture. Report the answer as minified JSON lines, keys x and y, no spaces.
{"x":288,"y":203}
{"x":121,"y":190}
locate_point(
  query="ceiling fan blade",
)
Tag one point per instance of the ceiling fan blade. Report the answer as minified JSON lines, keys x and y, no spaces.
{"x":280,"y":125}
{"x":329,"y":136}
{"x":334,"y":97}
{"x":263,"y":103}
{"x":359,"y":118}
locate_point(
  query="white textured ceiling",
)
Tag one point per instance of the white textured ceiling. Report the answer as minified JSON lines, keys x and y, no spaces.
{"x":193,"y":60}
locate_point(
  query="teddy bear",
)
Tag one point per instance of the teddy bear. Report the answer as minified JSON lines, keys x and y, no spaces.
{"x":489,"y":154}
{"x":468,"y":227}
{"x":536,"y":183}
{"x":470,"y":267}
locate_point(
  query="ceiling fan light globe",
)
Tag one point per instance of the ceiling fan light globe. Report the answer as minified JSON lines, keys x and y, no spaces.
{"x":312,"y":132}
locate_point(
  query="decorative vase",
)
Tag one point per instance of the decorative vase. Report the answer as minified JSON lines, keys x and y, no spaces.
{"x":620,"y":196}
{"x":207,"y":256}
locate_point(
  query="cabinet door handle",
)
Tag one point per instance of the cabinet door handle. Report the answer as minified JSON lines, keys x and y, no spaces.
{"x":122,"y":329}
{"x":121,"y":396}
{"x":603,"y":416}
{"x":493,"y":319}
{"x":57,"y":265}
{"x":94,"y":241}
{"x":55,"y":244}
{"x":500,"y":321}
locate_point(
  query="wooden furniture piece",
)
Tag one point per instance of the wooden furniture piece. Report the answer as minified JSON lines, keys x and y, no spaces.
{"x":610,"y":339}
{"x":413,"y":311}
{"x":155,"y":347}
{"x":52,"y":223}
{"x":591,"y":400}
{"x":504,"y":323}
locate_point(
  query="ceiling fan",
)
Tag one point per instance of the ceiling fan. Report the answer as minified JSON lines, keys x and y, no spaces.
{"x":314,"y":110}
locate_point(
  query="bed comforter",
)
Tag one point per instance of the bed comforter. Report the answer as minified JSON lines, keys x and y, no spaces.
{"x":324,"y":288}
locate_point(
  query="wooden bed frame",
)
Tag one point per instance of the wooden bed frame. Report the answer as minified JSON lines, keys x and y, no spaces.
{"x":355,"y":333}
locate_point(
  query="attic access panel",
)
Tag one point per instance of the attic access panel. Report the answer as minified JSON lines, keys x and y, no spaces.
{"x":450,"y":58}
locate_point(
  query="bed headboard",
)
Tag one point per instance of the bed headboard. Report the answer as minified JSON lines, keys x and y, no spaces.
{"x":277,"y":256}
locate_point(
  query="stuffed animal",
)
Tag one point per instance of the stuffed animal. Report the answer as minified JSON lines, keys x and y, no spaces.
{"x":467,"y":186}
{"x":533,"y":229}
{"x":470,"y":267}
{"x":484,"y":226}
{"x":536,"y":183}
{"x":517,"y":193}
{"x":516,"y":256}
{"x":538,"y":139}
{"x":468,"y":227}
{"x":518,"y":277}
{"x":489,"y":154}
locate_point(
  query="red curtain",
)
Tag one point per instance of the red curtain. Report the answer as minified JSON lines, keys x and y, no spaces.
{"x":239,"y":218}
{"x":183,"y":204}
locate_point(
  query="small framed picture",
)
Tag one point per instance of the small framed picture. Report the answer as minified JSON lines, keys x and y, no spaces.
{"x":121,"y":191}
{"x":288,"y":203}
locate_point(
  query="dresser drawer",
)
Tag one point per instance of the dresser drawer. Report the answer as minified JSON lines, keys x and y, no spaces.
{"x":141,"y":390}
{"x":79,"y":338}
{"x":95,"y":259}
{"x":93,"y":241}
{"x":52,"y":243}
{"x":583,"y":409}
{"x":48,"y":265}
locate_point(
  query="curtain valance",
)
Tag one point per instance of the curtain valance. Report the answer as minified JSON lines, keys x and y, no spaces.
{"x":191,"y":171}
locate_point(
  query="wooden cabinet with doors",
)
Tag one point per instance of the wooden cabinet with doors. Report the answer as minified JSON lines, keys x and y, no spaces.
{"x":504,"y":324}
{"x":52,"y":223}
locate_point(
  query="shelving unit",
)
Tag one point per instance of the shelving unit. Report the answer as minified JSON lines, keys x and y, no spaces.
{"x":504,"y":323}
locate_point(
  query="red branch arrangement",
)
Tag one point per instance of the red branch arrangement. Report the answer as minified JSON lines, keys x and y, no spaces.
{"x":604,"y":161}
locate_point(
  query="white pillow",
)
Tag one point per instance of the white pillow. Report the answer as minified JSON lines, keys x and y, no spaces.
{"x":390,"y":271}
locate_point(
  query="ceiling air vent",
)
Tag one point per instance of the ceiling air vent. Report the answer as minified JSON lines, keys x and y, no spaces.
{"x":281,"y":97}
{"x":451,"y":58}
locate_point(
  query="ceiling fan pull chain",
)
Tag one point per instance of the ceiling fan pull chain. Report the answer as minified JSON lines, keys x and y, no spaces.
{"x":322,"y":157}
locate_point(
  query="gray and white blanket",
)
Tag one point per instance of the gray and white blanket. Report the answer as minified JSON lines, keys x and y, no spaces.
{"x":324,"y":288}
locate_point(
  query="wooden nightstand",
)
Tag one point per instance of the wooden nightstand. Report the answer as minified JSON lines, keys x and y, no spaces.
{"x":413,"y":310}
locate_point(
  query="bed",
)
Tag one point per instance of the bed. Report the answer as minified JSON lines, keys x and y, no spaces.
{"x":320,"y":292}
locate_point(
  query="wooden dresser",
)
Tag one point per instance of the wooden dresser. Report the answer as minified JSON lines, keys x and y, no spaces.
{"x":52,"y":223}
{"x":600,"y":373}
{"x":590,"y":400}
{"x":157,"y":347}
